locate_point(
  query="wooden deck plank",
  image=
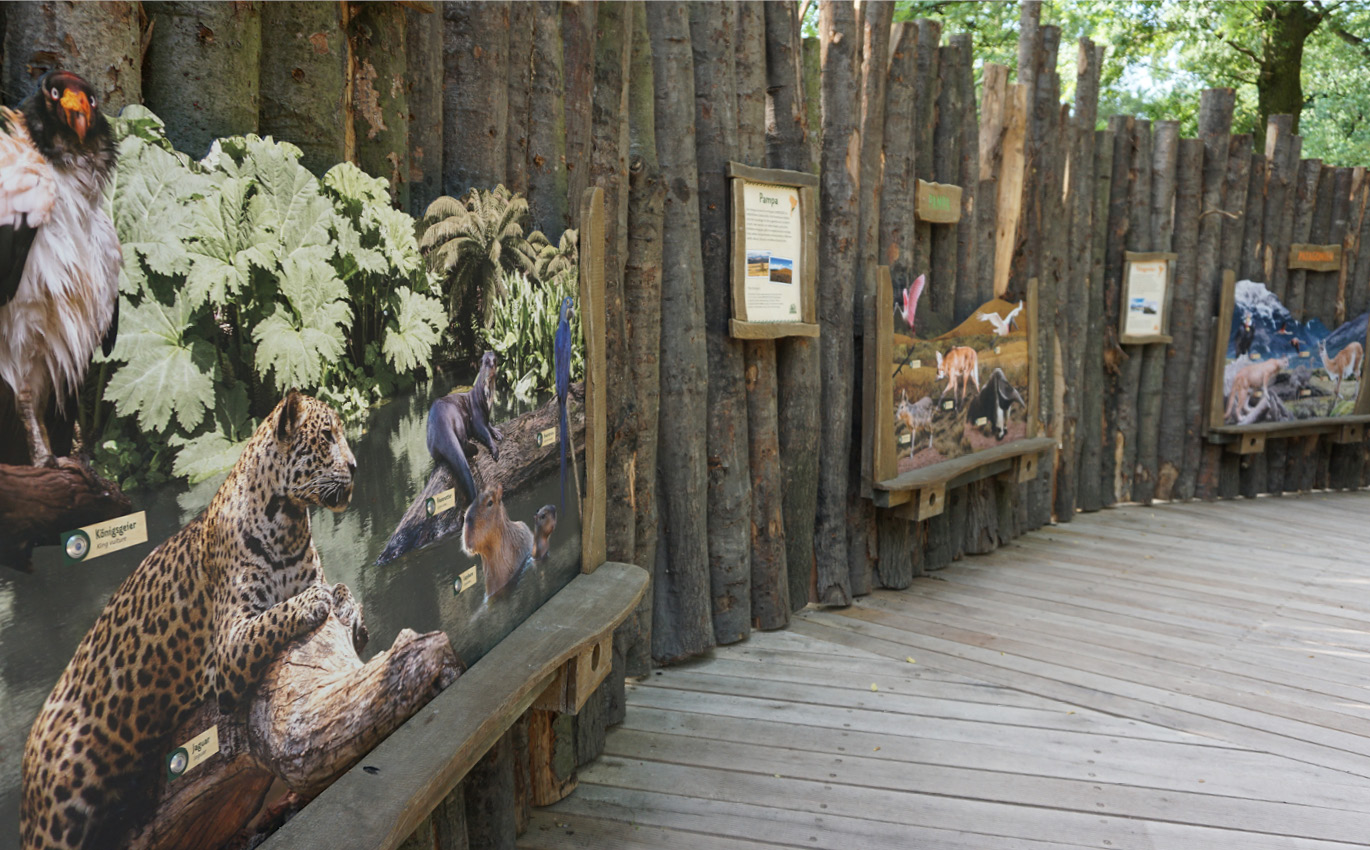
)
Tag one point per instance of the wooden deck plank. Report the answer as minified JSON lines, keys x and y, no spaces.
{"x":1067,"y":691}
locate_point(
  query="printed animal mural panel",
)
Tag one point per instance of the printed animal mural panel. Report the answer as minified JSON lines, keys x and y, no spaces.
{"x":961,"y":392}
{"x":355,"y":442}
{"x":1279,"y":369}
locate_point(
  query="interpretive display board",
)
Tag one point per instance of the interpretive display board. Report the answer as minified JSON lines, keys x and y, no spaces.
{"x":774,"y":252}
{"x":944,"y":405}
{"x":354,"y":478}
{"x":1145,"y":317}
{"x":1275,"y":371}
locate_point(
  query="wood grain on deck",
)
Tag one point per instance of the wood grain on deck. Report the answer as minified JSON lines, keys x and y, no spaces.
{"x":1190,"y":676}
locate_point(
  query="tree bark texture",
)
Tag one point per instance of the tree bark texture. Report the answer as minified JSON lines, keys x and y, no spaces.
{"x":770,"y":592}
{"x":580,"y":35}
{"x":798,"y":387}
{"x":642,"y":317}
{"x":712,"y":30}
{"x":520,"y":86}
{"x":840,"y":175}
{"x":99,"y":41}
{"x":1090,"y":490}
{"x":475,"y":94}
{"x":861,"y":532}
{"x":1114,"y":355}
{"x":682,"y":617}
{"x":1215,"y":125}
{"x":423,"y":56}
{"x":304,"y":80}
{"x":1138,"y":239}
{"x":608,"y":169}
{"x":491,"y":816}
{"x":380,"y":102}
{"x":190,"y":45}
{"x":1235,"y":201}
{"x":1171,"y":442}
{"x":549,"y":200}
{"x":1165,"y":150}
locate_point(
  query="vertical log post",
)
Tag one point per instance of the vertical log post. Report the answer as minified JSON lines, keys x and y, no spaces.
{"x":712,"y":30}
{"x":1090,"y":490}
{"x":1229,"y":257}
{"x":380,"y":103}
{"x":642,"y":317}
{"x":1282,"y":155}
{"x":189,"y":46}
{"x":304,"y":80}
{"x":475,"y":94}
{"x":1165,"y":157}
{"x":682,"y":615}
{"x":580,"y":36}
{"x":608,"y":169}
{"x":549,"y":198}
{"x":1215,"y":123}
{"x":1250,"y":268}
{"x":1174,"y":401}
{"x":789,"y":134}
{"x":519,"y":86}
{"x":1114,"y":356}
{"x":861,"y":531}
{"x":424,"y":78}
{"x":839,"y":190}
{"x":1075,"y":296}
{"x":770,"y":592}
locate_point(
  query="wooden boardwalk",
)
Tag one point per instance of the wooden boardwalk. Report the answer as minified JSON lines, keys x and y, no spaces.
{"x":1191,"y":676}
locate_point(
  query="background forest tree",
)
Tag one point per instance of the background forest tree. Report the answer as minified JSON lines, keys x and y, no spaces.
{"x":1306,"y":58}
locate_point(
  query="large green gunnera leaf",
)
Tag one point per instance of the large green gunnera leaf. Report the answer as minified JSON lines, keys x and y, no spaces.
{"x":420,"y":320}
{"x":297,"y":343}
{"x":165,"y":373}
{"x":150,"y":195}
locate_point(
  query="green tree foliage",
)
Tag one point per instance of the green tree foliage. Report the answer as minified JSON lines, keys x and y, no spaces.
{"x":243,"y":276}
{"x":523,"y":327}
{"x":1303,"y":57}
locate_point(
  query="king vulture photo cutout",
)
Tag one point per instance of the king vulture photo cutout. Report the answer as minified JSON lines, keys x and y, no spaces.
{"x":59,"y":255}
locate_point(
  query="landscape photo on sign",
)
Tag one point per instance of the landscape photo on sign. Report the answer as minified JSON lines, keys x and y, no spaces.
{"x":427,"y":515}
{"x":758,"y":263}
{"x":782,"y":270}
{"x":1279,"y":369}
{"x":963,"y":391}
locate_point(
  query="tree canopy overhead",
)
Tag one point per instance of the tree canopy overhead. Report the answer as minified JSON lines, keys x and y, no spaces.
{"x":1307,"y":58}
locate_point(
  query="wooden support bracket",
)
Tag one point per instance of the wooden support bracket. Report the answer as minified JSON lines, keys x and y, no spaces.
{"x":924,"y":504}
{"x":1025,"y":467}
{"x":577,"y":678}
{"x":1247,"y":444}
{"x":1353,"y":433}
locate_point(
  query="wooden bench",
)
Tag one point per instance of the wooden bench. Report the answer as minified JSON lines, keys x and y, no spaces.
{"x":1250,"y":439}
{"x":552,"y":663}
{"x":922,"y":493}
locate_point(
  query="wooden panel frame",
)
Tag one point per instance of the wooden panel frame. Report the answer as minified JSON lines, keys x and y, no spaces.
{"x":926,"y":209}
{"x":740,"y":326}
{"x":1332,"y":264}
{"x":593,"y":546}
{"x":1217,"y":432}
{"x":921,"y":493}
{"x":1130,"y":257}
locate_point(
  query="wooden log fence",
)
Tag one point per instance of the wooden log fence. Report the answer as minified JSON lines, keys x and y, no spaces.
{"x":740,"y":473}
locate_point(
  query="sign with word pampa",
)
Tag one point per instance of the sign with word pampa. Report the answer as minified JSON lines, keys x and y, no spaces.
{"x":1145,"y":316}
{"x":774,"y":252}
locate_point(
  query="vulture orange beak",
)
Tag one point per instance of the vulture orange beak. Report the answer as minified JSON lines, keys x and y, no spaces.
{"x":76,"y":107}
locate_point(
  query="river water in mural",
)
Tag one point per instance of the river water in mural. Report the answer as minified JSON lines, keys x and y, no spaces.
{"x":44,"y":615}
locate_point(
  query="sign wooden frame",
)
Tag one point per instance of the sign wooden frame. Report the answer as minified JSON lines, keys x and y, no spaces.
{"x":1315,"y":258}
{"x":937,"y":203}
{"x":921,"y":493}
{"x":1249,"y":439}
{"x":1129,"y":258}
{"x":741,"y":326}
